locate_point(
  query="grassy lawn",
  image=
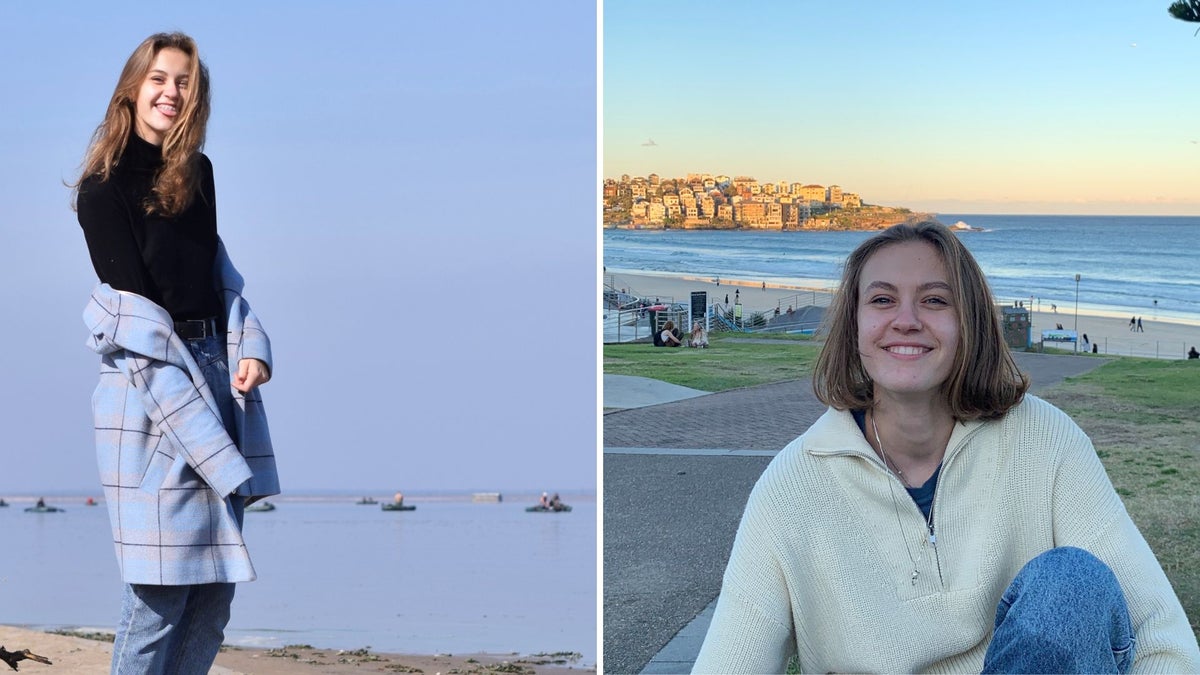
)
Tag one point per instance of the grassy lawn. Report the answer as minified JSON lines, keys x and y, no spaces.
{"x":1142,"y":415}
{"x":728,"y":363}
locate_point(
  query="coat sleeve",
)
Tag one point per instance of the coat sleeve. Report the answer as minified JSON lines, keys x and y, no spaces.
{"x":1088,"y":514}
{"x":253,"y":342}
{"x":247,"y":338}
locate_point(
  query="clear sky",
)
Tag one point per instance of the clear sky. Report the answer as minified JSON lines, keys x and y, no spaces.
{"x":409,"y":189}
{"x":957,"y":107}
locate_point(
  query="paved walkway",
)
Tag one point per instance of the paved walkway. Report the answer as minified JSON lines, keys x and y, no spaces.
{"x":676,"y":477}
{"x":629,"y":391}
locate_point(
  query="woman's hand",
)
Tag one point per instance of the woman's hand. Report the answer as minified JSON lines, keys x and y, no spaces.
{"x":251,"y":373}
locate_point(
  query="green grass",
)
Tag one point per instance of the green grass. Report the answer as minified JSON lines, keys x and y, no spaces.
{"x":1143,"y":416}
{"x":728,"y":362}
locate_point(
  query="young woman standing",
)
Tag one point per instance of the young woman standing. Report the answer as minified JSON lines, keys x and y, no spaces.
{"x":181,"y":436}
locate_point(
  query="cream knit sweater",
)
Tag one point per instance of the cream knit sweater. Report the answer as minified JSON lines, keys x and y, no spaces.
{"x":819,"y":565}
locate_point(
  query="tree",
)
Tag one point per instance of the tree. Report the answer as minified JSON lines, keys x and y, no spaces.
{"x":1186,"y":10}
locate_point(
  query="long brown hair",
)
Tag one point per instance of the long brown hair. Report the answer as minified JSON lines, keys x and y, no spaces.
{"x":984,"y":380}
{"x":177,"y":181}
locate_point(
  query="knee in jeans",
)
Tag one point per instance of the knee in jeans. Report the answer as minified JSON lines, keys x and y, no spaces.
{"x":1070,"y":565}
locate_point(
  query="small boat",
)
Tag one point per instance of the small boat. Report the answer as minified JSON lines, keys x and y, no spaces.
{"x":397,"y":507}
{"x":367,"y":500}
{"x":548,"y":509}
{"x":3,"y":503}
{"x":264,"y":505}
{"x":44,"y":509}
{"x":487,"y":497}
{"x":90,"y":502}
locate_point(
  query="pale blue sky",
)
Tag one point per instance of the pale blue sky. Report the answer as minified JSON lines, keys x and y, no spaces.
{"x":409,"y":189}
{"x":1019,"y":107}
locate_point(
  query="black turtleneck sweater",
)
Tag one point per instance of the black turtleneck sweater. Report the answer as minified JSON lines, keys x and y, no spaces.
{"x":168,"y":260}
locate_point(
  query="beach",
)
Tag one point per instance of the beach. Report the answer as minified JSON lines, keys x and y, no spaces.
{"x":1161,"y":338}
{"x":84,"y":656}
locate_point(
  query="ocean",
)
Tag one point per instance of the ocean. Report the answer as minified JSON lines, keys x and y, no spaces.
{"x":452,"y":576}
{"x":1125,"y":263}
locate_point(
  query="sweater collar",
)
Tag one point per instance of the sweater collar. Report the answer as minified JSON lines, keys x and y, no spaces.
{"x":142,"y":154}
{"x":836,"y":433}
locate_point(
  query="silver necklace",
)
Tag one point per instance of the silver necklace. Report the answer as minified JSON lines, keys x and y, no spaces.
{"x":932,"y":539}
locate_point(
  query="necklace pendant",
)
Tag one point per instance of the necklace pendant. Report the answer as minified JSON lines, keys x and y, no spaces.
{"x":915,"y":574}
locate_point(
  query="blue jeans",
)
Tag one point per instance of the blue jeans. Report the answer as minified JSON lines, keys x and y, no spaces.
{"x":1063,"y":613}
{"x":179,"y":629}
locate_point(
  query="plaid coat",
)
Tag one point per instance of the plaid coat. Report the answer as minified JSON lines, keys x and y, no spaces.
{"x":166,"y":460}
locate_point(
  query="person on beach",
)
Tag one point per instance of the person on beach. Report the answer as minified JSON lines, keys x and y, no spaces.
{"x":1133,"y":323}
{"x":937,"y":518}
{"x":181,"y":436}
{"x":1139,"y":325}
{"x":699,"y":337}
{"x":668,"y":337}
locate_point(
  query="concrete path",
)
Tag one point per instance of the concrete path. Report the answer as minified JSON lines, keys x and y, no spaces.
{"x":630,"y":391}
{"x":676,"y":477}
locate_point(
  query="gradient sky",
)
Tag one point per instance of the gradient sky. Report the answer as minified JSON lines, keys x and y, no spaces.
{"x":1019,"y":107}
{"x":409,"y":189}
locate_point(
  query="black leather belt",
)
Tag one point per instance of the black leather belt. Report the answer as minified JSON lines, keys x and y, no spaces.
{"x":197,"y":329}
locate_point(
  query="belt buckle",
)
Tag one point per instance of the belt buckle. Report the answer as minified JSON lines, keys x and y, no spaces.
{"x":207,"y":328}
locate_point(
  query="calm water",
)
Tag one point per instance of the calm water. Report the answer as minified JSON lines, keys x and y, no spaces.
{"x":452,"y":576}
{"x":1125,"y":263}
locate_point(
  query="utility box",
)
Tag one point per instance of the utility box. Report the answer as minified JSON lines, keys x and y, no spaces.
{"x":1017,"y":329}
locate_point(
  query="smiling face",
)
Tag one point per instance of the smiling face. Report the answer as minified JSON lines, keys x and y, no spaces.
{"x":162,"y":94}
{"x":908,"y":324}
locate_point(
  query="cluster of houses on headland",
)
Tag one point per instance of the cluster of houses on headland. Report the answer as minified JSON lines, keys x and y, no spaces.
{"x":708,"y":201}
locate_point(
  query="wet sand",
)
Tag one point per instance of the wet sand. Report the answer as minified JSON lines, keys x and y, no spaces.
{"x":83,"y":656}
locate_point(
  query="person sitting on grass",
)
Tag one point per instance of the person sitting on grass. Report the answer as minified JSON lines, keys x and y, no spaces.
{"x":982,"y":536}
{"x":668,"y":336}
{"x":699,"y":337}
{"x":1193,"y":354}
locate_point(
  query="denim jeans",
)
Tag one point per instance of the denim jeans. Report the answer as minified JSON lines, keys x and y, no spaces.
{"x":1063,"y":613}
{"x":178,"y":629}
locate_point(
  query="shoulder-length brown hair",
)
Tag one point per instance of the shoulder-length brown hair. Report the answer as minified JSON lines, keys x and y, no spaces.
{"x":984,"y":381}
{"x":177,"y":181}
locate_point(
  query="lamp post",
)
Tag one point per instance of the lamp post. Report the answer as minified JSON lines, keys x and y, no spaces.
{"x":1076,"y":313}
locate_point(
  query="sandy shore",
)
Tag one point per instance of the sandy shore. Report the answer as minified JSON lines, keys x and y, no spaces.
{"x":83,"y":656}
{"x":1160,"y":339}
